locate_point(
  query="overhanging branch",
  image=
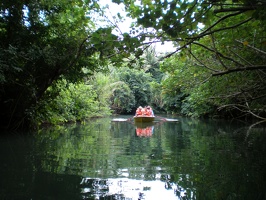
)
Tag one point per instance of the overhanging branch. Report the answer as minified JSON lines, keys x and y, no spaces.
{"x":256,"y":67}
{"x":220,"y":54}
{"x":234,"y":9}
{"x":208,"y":32}
{"x":254,"y":48}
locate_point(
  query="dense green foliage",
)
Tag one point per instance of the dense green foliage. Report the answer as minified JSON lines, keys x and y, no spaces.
{"x":236,"y":91}
{"x":138,"y":82}
{"x":43,"y":42}
{"x":218,"y":64}
{"x":121,"y":91}
{"x":71,"y":102}
{"x":212,"y":38}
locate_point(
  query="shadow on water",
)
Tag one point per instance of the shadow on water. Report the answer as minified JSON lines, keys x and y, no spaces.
{"x":102,"y":159}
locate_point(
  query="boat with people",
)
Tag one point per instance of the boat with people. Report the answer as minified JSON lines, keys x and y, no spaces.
{"x":144,"y":115}
{"x":140,"y":119}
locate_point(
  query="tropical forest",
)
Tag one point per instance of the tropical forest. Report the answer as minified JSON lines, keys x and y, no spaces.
{"x":66,"y":61}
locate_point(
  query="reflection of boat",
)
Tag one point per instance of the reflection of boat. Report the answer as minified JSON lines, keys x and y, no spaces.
{"x":145,"y":132}
{"x":144,"y":129}
{"x":143,"y":119}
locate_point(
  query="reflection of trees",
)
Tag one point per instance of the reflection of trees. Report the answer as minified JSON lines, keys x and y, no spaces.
{"x":216,"y":162}
{"x":207,"y":159}
{"x":72,"y":149}
{"x":17,"y":170}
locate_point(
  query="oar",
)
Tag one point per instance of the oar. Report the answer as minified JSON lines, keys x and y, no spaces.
{"x":167,"y":119}
{"x":121,"y":119}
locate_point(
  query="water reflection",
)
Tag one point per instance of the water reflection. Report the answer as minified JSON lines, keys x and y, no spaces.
{"x":191,"y":159}
{"x":144,"y":129}
{"x":129,"y":189}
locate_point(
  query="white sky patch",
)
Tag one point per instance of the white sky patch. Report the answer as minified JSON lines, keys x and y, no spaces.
{"x":124,"y":26}
{"x":112,"y":12}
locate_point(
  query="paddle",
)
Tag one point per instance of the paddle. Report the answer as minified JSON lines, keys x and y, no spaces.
{"x":121,"y":119}
{"x":129,"y":119}
{"x":167,"y":119}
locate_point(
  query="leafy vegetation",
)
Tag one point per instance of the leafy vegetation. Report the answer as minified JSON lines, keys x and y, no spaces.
{"x":224,"y":39}
{"x":43,"y":42}
{"x":218,"y":67}
{"x":71,"y":102}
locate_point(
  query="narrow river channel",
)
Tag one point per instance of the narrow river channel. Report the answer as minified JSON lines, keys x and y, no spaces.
{"x":117,"y":160}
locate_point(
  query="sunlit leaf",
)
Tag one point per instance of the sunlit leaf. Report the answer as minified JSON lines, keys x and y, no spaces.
{"x":245,"y":43}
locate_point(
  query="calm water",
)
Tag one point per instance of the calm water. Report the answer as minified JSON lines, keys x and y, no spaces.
{"x":102,"y":159}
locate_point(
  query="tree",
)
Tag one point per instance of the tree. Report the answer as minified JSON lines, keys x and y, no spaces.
{"x":151,"y":63}
{"x":122,"y":98}
{"x":70,"y":103}
{"x":139,"y":83}
{"x":224,"y":37}
{"x":43,"y":42}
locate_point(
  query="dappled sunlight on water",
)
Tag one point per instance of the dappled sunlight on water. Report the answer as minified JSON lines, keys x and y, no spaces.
{"x":130,"y":189}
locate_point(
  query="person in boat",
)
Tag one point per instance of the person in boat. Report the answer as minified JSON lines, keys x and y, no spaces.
{"x":150,"y":111}
{"x":143,"y":110}
{"x":139,"y":111}
{"x":146,"y":111}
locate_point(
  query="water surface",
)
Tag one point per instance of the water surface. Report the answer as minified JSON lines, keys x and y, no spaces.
{"x":105,"y":159}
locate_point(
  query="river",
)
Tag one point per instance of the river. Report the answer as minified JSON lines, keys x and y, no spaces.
{"x":111,"y":159}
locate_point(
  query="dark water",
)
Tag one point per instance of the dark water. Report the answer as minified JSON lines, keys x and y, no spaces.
{"x":102,"y":159}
